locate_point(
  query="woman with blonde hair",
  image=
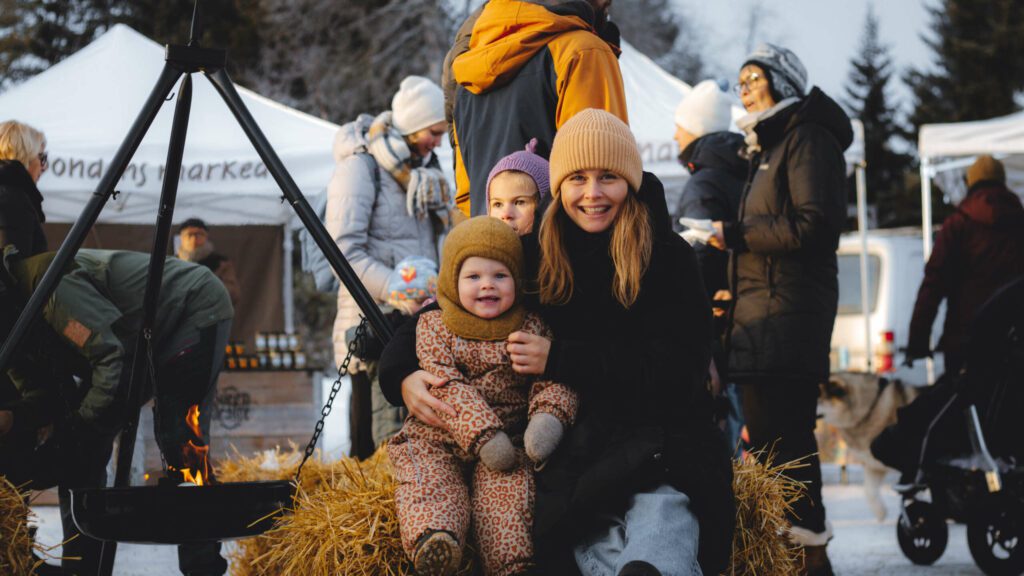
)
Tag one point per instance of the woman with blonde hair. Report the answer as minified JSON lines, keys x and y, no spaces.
{"x":22,"y":161}
{"x":641,"y":484}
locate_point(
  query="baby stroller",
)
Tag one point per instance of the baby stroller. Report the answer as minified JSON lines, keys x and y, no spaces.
{"x":970,"y":456}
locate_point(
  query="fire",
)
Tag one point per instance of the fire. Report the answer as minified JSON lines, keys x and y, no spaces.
{"x":195,"y":456}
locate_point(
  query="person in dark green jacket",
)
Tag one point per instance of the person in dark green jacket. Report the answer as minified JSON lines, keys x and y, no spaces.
{"x":92,"y":322}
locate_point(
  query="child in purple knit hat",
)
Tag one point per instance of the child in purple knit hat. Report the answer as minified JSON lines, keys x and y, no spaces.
{"x":518,"y":188}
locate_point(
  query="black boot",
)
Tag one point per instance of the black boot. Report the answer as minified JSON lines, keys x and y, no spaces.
{"x":816,"y":562}
{"x":639,"y":568}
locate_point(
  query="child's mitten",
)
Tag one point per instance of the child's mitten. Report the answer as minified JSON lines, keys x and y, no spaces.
{"x":542,"y":436}
{"x":498,"y":453}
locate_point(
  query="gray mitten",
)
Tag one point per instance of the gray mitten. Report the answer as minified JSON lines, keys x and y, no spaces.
{"x":542,"y":436}
{"x":498,"y":454}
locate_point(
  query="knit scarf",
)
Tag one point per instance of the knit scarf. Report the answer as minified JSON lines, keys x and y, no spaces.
{"x":749,"y":122}
{"x":426,"y":188}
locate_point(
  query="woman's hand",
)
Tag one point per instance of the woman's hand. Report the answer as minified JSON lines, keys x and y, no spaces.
{"x":421,"y":403}
{"x":717,"y":239}
{"x":529,"y":352}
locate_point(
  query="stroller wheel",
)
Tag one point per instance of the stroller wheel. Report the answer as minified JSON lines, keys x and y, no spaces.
{"x":995,"y":535}
{"x":922,"y":533}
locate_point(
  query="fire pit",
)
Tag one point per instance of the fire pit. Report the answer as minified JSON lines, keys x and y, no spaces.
{"x":180,"y":514}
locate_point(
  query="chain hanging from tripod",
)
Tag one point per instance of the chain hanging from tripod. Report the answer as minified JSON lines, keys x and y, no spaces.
{"x":335,"y":388}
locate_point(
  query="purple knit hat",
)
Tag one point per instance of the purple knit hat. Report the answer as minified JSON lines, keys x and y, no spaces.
{"x":528,"y":161}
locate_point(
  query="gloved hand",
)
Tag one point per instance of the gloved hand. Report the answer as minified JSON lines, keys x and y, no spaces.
{"x":427,"y":192}
{"x":498,"y":454}
{"x":697,"y":231}
{"x":542,"y":436}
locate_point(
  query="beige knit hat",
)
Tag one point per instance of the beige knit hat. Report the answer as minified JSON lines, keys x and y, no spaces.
{"x":595,"y":140}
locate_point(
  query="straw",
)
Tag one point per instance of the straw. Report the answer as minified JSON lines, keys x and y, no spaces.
{"x":343,"y":520}
{"x":764,"y":496}
{"x":16,"y":542}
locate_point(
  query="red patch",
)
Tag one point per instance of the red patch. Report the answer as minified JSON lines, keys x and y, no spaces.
{"x":77,"y":333}
{"x":408,"y":273}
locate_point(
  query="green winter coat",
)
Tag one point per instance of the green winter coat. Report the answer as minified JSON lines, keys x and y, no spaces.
{"x":97,"y":310}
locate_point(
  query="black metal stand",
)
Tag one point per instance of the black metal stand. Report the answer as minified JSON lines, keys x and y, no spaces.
{"x":179,"y":61}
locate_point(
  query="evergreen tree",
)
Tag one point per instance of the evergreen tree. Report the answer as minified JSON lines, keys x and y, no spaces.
{"x":978,"y":68}
{"x":867,"y":98}
{"x":36,"y":34}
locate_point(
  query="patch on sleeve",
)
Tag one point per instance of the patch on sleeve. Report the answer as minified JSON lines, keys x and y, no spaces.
{"x":77,"y":332}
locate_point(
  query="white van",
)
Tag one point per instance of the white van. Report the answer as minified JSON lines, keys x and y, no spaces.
{"x":895,"y":269}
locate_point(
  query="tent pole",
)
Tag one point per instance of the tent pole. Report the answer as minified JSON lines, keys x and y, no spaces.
{"x":287,"y":286}
{"x":926,"y":206}
{"x":865,"y":279}
{"x":926,"y":236}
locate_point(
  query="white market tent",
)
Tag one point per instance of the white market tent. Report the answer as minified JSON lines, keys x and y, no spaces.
{"x":86,"y":104}
{"x":946,"y":150}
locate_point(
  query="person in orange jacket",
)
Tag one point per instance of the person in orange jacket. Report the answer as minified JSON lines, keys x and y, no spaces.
{"x":526,"y":68}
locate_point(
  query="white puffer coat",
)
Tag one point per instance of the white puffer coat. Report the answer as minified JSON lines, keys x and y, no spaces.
{"x":373,"y":229}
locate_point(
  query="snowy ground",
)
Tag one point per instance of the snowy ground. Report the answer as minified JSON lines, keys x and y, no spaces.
{"x":862,"y":546}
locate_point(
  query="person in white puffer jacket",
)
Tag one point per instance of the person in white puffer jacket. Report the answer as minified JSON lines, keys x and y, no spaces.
{"x":387,"y":200}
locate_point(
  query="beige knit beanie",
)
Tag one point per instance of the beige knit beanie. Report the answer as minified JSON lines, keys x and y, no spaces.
{"x":595,"y":140}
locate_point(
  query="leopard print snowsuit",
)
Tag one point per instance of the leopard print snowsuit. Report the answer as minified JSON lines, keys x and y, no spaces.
{"x":441,"y":485}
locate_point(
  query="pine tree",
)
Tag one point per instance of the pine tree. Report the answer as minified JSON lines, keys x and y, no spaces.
{"x":867,"y":98}
{"x":36,"y":34}
{"x":978,"y":68}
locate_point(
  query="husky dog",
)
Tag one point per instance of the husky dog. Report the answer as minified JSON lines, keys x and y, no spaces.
{"x":860,"y":405}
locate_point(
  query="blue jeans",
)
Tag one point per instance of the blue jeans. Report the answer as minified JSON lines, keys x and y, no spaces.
{"x":657,"y":527}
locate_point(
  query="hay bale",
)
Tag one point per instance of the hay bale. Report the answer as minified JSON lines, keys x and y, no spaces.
{"x":16,"y":544}
{"x":343,"y":521}
{"x":764,"y":495}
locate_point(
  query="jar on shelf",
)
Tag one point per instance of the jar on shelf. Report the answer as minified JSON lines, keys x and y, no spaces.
{"x":261,"y":341}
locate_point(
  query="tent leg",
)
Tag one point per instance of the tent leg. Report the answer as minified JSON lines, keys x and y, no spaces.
{"x":865,"y":279}
{"x":288,"y":286}
{"x":367,"y":304}
{"x":926,"y":207}
{"x":90,"y":213}
{"x":926,"y":237}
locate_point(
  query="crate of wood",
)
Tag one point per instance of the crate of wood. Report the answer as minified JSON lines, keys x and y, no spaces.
{"x":254,"y":411}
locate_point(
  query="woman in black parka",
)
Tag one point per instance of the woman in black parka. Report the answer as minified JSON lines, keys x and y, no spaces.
{"x":784,"y":272}
{"x":641,"y":484}
{"x":22,"y":162}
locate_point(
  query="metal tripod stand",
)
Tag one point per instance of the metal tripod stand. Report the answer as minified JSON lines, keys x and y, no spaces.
{"x":179,"y":61}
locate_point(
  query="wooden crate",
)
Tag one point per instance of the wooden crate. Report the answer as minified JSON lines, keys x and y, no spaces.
{"x":255,"y":411}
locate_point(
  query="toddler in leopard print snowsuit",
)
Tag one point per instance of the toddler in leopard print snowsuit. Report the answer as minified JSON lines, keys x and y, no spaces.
{"x":442,"y":487}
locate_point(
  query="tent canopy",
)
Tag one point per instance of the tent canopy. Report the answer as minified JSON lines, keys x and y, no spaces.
{"x":947,"y":149}
{"x":86,"y":104}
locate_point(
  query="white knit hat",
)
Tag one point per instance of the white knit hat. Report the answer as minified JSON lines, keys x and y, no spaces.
{"x":704,"y":110}
{"x":419,"y":103}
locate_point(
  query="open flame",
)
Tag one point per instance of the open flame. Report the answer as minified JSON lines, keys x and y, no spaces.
{"x":195,"y":456}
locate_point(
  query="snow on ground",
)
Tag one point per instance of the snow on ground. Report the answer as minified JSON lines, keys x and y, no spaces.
{"x":862,"y":546}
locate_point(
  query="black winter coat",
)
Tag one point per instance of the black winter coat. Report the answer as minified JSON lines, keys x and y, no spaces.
{"x":713,"y":192}
{"x":645,"y":415}
{"x":21,"y":210}
{"x":784,"y":263}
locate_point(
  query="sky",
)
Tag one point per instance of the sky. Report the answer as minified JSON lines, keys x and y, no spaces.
{"x":824,"y":34}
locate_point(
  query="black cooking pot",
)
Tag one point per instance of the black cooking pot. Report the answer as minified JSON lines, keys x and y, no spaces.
{"x":178,"y":515}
